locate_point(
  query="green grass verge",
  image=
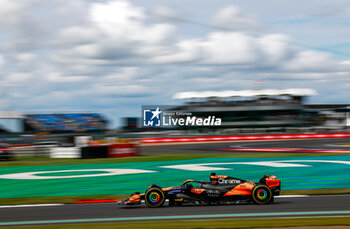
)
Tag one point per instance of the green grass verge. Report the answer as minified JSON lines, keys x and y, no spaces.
{"x":72,"y":199}
{"x":162,"y":157}
{"x":235,"y":223}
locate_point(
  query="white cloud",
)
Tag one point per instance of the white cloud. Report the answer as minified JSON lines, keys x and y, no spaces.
{"x":25,"y":57}
{"x":230,"y":48}
{"x":232,"y":19}
{"x":56,"y":77}
{"x":309,"y":60}
{"x":18,"y":77}
{"x":114,"y":13}
{"x":276,"y":48}
{"x":162,"y":12}
{"x":9,"y":11}
{"x":332,"y":12}
{"x":2,"y":60}
{"x":75,"y":35}
{"x":183,"y":51}
{"x":124,"y":23}
{"x":126,"y":74}
{"x":116,"y":30}
{"x":121,"y":90}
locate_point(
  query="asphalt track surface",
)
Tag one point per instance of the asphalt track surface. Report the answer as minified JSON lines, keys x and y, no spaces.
{"x":203,"y":148}
{"x":332,"y":205}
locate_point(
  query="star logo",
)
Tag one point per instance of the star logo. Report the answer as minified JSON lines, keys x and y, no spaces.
{"x":156,"y":113}
{"x":152,"y":117}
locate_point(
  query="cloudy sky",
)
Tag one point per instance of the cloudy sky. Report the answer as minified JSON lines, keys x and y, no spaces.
{"x":113,"y":56}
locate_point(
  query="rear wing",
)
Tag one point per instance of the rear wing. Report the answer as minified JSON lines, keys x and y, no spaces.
{"x":273,"y":183}
{"x":270,"y":181}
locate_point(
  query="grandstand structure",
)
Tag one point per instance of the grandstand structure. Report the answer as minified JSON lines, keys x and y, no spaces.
{"x":331,"y":115}
{"x":65,"y":122}
{"x":16,"y":122}
{"x":251,"y":108}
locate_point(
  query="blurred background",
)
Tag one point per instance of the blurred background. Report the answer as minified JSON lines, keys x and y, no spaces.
{"x":88,"y":66}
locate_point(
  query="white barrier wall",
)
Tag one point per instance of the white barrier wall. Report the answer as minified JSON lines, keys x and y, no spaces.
{"x":81,"y":141}
{"x":65,"y":152}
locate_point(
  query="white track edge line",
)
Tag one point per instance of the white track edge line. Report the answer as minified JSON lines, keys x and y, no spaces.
{"x":292,"y":196}
{"x":29,"y":205}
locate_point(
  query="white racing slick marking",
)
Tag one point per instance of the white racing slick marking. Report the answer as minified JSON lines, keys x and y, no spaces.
{"x":107,"y":172}
{"x":194,"y":167}
{"x":277,"y":164}
{"x":209,"y":166}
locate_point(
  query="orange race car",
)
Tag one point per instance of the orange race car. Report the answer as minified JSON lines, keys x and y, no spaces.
{"x":219,"y":190}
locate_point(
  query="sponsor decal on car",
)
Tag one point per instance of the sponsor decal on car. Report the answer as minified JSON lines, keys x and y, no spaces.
{"x":228,"y":181}
{"x":172,"y":191}
{"x":213,"y":193}
{"x":272,"y":183}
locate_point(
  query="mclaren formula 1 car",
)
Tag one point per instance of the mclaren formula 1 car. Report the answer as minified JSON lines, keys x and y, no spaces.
{"x":219,"y":190}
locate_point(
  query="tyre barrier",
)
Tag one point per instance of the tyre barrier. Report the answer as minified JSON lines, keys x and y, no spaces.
{"x":90,"y":152}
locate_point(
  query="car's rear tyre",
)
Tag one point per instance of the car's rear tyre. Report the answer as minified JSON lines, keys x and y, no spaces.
{"x":154,"y":197}
{"x":262,"y":194}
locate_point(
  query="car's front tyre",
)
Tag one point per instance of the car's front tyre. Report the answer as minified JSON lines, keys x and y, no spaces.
{"x":154,"y":197}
